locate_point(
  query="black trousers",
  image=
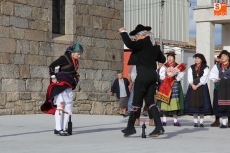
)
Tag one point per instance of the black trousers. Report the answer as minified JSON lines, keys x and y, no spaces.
{"x":144,"y":87}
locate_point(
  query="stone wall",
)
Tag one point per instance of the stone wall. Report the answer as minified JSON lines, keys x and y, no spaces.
{"x":27,"y":47}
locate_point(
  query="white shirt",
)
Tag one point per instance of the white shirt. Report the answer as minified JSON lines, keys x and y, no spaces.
{"x":163,"y":74}
{"x":214,"y":74}
{"x":133,"y":73}
{"x":122,"y":88}
{"x":203,"y":79}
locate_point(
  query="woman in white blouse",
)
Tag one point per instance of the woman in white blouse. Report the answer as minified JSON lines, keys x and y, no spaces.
{"x":220,"y":75}
{"x":175,"y":106}
{"x":197,"y":100}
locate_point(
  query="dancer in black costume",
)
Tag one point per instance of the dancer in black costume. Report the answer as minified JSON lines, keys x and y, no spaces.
{"x":145,"y":54}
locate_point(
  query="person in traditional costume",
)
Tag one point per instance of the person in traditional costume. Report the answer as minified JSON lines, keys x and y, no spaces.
{"x":220,"y":75}
{"x":197,"y":99}
{"x":145,"y":54}
{"x":170,"y":94}
{"x":131,"y":77}
{"x":59,"y":97}
{"x":216,"y":123}
{"x":145,"y":109}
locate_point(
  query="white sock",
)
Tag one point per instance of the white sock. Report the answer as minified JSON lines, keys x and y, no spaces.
{"x":195,"y":117}
{"x":164,"y":119}
{"x":224,"y":120}
{"x":175,"y":118}
{"x":62,"y":120}
{"x":66,"y":119}
{"x":58,"y":120}
{"x":201,"y":118}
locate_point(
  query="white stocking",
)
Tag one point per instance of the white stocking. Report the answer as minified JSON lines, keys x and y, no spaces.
{"x":195,"y":117}
{"x":58,"y":120}
{"x":201,"y":118}
{"x":164,"y":118}
{"x":175,"y":118}
{"x":68,"y":109}
{"x":66,"y":119}
{"x":224,"y":120}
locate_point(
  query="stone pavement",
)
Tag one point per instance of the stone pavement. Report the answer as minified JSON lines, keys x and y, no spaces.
{"x":101,"y":134}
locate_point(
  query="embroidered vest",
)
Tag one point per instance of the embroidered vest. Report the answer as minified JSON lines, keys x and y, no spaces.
{"x":201,"y":71}
{"x":69,"y":68}
{"x":223,"y":74}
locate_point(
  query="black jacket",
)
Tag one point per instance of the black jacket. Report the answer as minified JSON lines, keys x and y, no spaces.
{"x":116,"y":88}
{"x":143,"y":52}
{"x":66,"y":65}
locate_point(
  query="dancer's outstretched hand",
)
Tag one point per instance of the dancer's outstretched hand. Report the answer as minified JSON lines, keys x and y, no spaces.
{"x":121,"y":29}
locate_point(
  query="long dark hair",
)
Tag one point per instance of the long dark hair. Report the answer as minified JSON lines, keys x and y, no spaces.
{"x":201,"y":56}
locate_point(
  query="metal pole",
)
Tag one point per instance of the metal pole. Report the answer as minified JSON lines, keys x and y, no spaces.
{"x":161,"y":25}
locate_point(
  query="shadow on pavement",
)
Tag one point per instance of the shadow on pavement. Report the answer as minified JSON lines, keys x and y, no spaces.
{"x":168,"y":135}
{"x":17,"y":134}
{"x":87,"y":131}
{"x":124,"y":120}
{"x":96,"y":130}
{"x":181,"y":132}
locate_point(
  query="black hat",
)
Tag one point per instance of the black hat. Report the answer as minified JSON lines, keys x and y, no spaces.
{"x":201,"y":56}
{"x":171,"y":53}
{"x":139,"y":28}
{"x":225,"y":52}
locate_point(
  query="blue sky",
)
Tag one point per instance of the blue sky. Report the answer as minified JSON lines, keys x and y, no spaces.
{"x":192,"y":25}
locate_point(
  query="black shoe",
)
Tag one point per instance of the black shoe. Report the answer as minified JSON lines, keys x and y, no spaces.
{"x":223,"y":126}
{"x":216,"y":123}
{"x":154,"y":112}
{"x":201,"y":125}
{"x":129,"y":132}
{"x":124,"y":130}
{"x":156,"y":133}
{"x":195,"y":125}
{"x":56,"y":131}
{"x":130,"y":129}
{"x":63,"y":133}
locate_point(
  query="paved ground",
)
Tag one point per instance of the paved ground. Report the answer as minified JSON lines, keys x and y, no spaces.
{"x":101,"y":134}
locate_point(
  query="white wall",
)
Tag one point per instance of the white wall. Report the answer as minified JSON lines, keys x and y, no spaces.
{"x":147,"y":12}
{"x":188,"y":60}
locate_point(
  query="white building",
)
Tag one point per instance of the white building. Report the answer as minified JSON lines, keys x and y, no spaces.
{"x":205,"y":25}
{"x":175,"y":25}
{"x":147,"y":12}
{"x":205,"y":33}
